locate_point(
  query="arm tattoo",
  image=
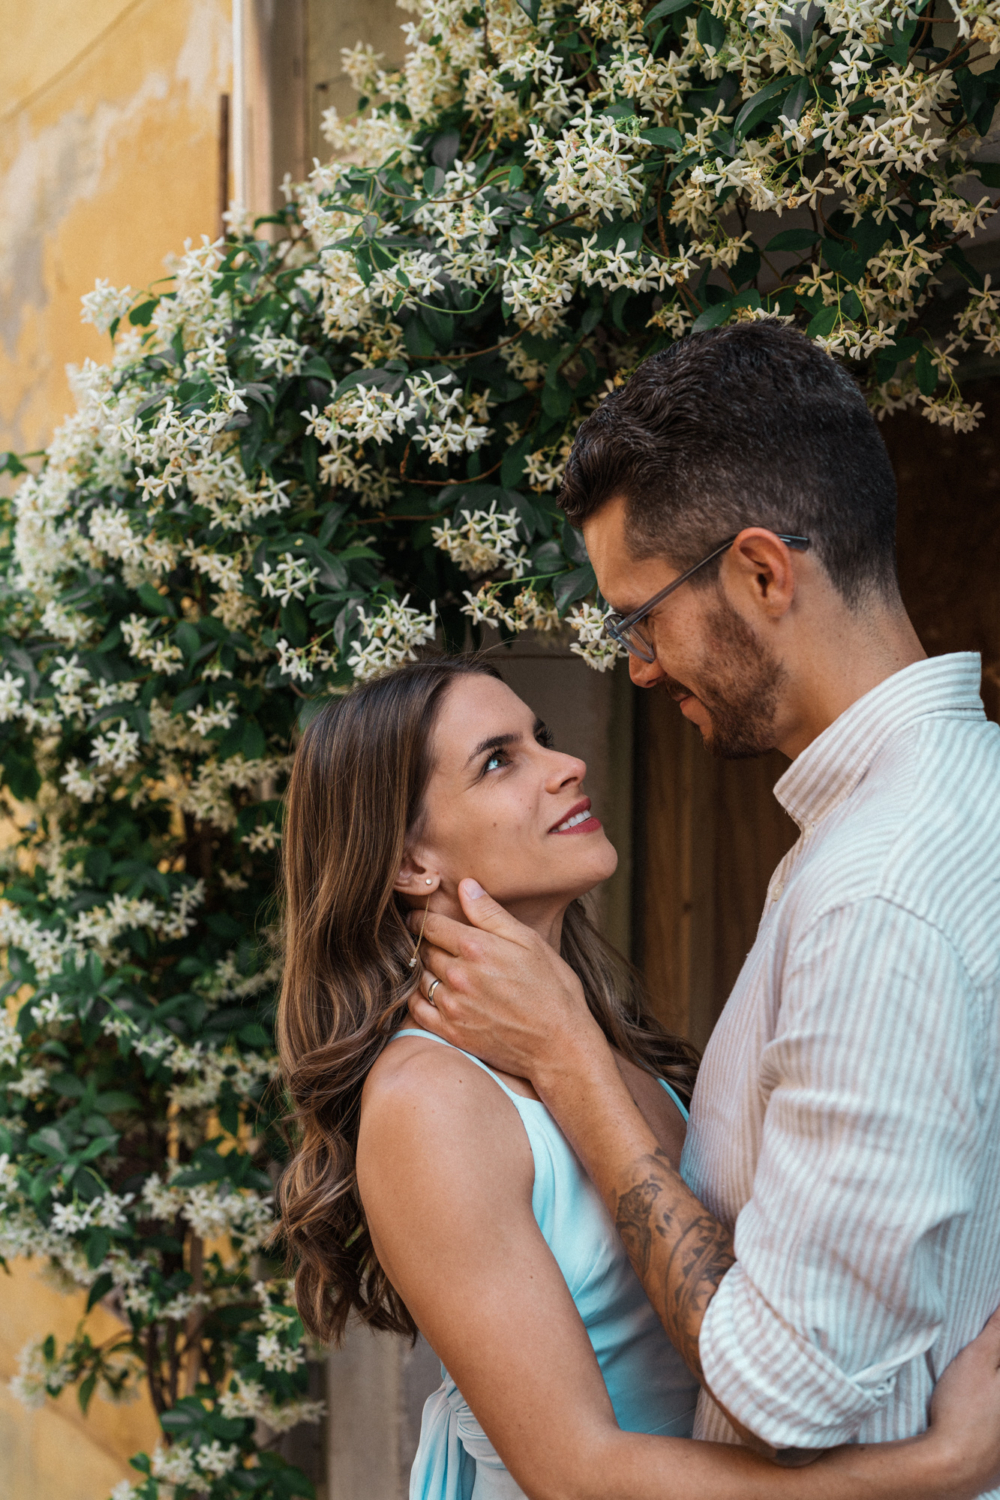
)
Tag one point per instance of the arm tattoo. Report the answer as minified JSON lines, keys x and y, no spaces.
{"x":679,"y":1251}
{"x":634,"y":1222}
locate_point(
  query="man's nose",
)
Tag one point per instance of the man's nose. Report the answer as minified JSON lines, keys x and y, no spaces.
{"x":645,"y":674}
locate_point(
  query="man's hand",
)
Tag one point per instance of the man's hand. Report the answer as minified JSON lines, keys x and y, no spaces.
{"x":504,"y":994}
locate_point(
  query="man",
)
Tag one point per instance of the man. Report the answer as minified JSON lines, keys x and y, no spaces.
{"x":838,"y":1239}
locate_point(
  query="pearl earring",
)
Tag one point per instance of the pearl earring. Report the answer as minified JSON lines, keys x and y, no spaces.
{"x":428,"y":881}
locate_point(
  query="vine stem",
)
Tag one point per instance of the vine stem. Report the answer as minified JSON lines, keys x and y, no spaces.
{"x":192,"y":1355}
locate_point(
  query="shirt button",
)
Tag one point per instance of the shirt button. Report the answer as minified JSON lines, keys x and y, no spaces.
{"x":777,"y":890}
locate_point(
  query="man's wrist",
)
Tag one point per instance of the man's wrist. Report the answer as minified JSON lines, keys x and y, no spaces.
{"x":577,"y":1061}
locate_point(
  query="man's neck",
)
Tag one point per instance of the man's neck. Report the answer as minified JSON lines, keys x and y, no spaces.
{"x":840,"y":664}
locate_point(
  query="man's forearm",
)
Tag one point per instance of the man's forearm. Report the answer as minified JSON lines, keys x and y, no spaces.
{"x":679,"y":1251}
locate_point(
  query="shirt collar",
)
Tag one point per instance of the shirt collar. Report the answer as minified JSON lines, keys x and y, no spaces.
{"x":830,"y":768}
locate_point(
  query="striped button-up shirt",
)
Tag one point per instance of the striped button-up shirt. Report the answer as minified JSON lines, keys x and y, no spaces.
{"x":846,"y":1120}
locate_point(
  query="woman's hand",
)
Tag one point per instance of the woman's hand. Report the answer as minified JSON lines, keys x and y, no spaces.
{"x":965,"y":1413}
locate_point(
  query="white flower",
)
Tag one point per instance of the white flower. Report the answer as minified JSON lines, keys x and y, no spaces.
{"x":265,"y":836}
{"x":221,"y":716}
{"x":10,"y":696}
{"x":104,"y":304}
{"x":116,"y":750}
{"x":291,"y":579}
{"x":274,"y":1355}
{"x":391,"y":635}
{"x":593,"y":644}
{"x":484,"y":542}
{"x":82,"y":781}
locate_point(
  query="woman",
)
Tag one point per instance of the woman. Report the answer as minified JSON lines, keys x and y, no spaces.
{"x":431,"y":1192}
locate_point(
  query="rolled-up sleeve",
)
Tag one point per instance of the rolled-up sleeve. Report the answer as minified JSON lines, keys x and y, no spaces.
{"x":868,"y":1159}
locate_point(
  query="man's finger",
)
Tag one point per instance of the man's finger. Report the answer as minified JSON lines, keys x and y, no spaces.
{"x":443,"y":932}
{"x":426,"y":1013}
{"x":436,"y":960}
{"x":489,"y":916}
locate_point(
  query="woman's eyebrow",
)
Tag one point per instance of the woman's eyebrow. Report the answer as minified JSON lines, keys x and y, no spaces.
{"x":497,"y":741}
{"x":494,"y":742}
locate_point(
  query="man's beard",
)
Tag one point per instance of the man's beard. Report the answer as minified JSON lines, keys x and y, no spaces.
{"x":738,"y":684}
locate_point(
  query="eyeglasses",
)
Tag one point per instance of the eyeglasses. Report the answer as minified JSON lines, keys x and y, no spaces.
{"x":624,"y":629}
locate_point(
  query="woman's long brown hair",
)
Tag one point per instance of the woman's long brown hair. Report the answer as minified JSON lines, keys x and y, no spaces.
{"x":354,"y":797}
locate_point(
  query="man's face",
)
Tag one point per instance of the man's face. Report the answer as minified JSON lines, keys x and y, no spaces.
{"x":709,"y":657}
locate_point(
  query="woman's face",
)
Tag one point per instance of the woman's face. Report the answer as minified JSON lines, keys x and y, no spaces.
{"x":504,"y":808}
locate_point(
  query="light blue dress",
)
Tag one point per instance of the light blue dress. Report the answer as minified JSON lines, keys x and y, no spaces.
{"x":651,"y":1388}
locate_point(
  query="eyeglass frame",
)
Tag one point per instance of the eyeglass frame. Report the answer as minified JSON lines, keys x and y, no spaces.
{"x":618,"y":626}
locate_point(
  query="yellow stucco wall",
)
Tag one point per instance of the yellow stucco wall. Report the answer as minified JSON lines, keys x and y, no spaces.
{"x":54,"y":1452}
{"x":109,"y":159}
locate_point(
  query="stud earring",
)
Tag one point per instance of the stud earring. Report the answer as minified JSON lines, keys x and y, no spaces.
{"x":428,"y":881}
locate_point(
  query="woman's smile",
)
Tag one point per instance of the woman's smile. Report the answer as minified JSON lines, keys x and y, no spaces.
{"x":579,"y":819}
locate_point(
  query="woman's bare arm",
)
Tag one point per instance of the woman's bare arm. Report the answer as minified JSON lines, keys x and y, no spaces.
{"x":445,"y":1173}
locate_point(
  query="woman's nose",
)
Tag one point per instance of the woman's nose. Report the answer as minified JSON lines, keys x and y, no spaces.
{"x":569,"y":768}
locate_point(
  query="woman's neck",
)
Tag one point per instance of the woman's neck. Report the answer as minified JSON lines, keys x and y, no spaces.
{"x":541,"y":917}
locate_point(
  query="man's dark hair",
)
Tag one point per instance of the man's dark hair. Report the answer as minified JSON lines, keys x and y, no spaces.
{"x":750,"y":425}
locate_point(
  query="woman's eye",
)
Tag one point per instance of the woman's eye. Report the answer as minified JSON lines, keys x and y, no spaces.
{"x":496,"y":760}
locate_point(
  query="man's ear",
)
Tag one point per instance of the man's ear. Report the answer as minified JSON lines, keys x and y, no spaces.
{"x":765,"y":565}
{"x":416,"y":877}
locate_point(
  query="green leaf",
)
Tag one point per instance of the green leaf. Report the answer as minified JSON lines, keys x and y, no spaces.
{"x":760,"y":105}
{"x":988,"y":172}
{"x":254,"y":1035}
{"x":86,"y":1390}
{"x":101,"y":1288}
{"x":252,"y":741}
{"x":926,"y":372}
{"x":963,"y":265}
{"x":802,"y":17}
{"x":663,"y":135}
{"x":711,"y":29}
{"x":187,"y":637}
{"x":142,"y":316}
{"x":823,"y":323}
{"x":114,"y":1101}
{"x":664,"y":8}
{"x":98,"y":1244}
{"x":531,"y":9}
{"x":712,"y":316}
{"x":154,"y":601}
{"x":572,"y":586}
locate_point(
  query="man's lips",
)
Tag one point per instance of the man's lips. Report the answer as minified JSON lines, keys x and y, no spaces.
{"x":577,"y":820}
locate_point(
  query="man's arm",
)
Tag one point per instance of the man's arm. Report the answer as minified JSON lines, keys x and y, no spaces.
{"x":680,"y":1252}
{"x":868,"y":1153}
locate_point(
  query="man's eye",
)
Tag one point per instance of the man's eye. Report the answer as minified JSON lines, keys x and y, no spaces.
{"x":496,"y":760}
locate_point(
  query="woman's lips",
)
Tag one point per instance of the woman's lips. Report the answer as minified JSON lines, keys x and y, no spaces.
{"x":579,"y":818}
{"x":591,"y":825}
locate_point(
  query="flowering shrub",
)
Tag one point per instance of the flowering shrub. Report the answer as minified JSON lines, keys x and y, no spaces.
{"x":311,"y":454}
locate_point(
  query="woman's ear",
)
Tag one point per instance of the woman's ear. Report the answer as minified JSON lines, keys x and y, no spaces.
{"x":416,"y":878}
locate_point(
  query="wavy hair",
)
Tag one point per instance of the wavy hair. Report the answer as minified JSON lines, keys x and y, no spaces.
{"x":354,"y":799}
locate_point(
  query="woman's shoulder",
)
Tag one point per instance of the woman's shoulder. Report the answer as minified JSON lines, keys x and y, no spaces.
{"x":429,"y":1098}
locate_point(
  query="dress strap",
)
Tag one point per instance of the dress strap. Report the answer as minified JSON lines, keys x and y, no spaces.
{"x":685,"y":1112}
{"x":428,"y":1036}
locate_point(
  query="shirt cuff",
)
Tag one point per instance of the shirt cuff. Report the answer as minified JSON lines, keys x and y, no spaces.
{"x":775,"y":1382}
